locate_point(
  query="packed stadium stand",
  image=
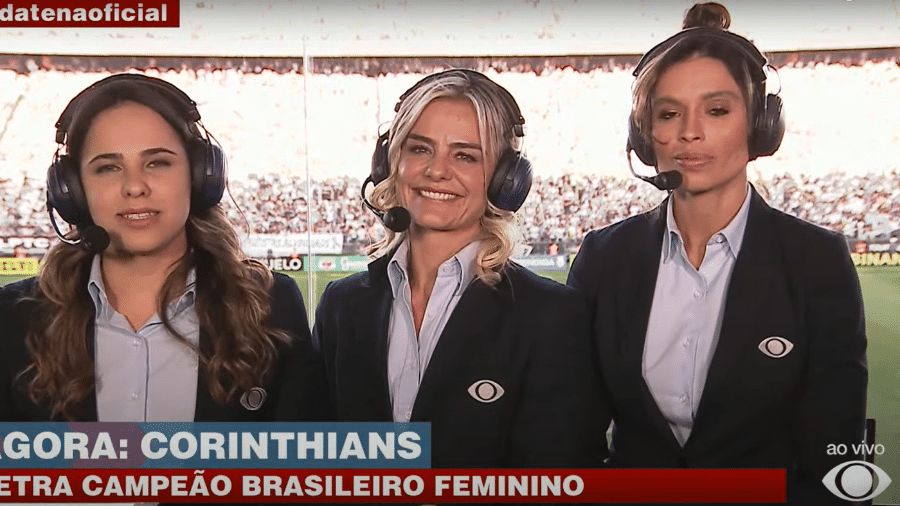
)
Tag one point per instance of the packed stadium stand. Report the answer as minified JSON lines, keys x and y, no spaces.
{"x":837,"y":167}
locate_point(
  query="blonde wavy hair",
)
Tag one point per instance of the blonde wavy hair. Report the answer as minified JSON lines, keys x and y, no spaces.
{"x":497,"y":120}
{"x":232,"y":299}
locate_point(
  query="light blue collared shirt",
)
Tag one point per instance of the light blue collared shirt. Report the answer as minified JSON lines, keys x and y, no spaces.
{"x":686,"y":318}
{"x":148,"y":375}
{"x":408,"y":356}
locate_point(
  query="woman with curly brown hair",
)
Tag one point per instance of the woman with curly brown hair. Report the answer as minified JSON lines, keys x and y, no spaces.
{"x":148,"y":310}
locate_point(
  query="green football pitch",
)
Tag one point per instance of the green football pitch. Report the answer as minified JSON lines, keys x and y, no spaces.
{"x":881,"y":293}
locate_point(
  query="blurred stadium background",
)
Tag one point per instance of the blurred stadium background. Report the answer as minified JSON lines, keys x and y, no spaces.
{"x":297,"y":106}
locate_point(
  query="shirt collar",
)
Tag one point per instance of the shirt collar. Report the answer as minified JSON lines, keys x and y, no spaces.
{"x":460,"y":266}
{"x":733,"y":232}
{"x":104,"y":310}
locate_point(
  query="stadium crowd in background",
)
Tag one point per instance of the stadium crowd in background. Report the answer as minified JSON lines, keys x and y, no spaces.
{"x":847,"y":185}
{"x":560,"y":210}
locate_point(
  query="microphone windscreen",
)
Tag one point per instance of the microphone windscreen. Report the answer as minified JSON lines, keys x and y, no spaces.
{"x":668,"y":180}
{"x":396,"y":219}
{"x":95,"y":239}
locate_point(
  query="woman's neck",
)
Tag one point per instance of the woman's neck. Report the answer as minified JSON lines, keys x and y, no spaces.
{"x":134,"y":283}
{"x":701,"y":215}
{"x":428,"y":250}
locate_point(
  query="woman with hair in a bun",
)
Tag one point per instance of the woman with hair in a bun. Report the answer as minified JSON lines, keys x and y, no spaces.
{"x":730,"y":335}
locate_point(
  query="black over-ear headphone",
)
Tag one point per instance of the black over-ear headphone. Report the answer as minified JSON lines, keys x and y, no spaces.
{"x":65,"y":192}
{"x":512,"y":177}
{"x":767,"y":128}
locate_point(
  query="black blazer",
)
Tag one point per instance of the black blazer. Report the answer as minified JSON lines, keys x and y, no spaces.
{"x":528,"y":334}
{"x":295,"y":390}
{"x":791,"y":279}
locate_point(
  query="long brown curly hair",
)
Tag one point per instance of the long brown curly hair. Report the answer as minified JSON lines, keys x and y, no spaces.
{"x":232,"y":298}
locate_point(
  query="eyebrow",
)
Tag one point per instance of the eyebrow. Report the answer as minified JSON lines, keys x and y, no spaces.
{"x":706,"y":96}
{"x":118,"y":156}
{"x":422,"y":138}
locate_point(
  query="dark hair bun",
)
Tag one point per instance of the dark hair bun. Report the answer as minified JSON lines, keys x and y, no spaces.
{"x":710,"y":14}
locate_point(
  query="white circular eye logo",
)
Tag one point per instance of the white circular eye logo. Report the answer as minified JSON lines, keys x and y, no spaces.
{"x":253,"y":399}
{"x":856,"y":480}
{"x":775,"y":346}
{"x":485,"y":391}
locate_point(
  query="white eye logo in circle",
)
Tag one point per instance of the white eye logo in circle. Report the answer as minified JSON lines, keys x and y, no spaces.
{"x":775,"y":346}
{"x":856,"y":480}
{"x":485,"y":391}
{"x":253,"y":399}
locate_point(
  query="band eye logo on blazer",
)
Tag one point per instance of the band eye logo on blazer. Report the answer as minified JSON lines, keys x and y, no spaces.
{"x":485,"y":391}
{"x":775,"y":346}
{"x":254,"y":398}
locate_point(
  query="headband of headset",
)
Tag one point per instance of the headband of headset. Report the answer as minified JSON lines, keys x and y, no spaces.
{"x":508,"y":101}
{"x":767,"y":128}
{"x":715,"y":35}
{"x":178,"y":98}
{"x":65,"y":192}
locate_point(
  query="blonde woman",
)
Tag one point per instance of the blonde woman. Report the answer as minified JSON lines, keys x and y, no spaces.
{"x":443,"y":327}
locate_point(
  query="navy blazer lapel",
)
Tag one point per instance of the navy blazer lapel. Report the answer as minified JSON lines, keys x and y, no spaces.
{"x":638,"y":299}
{"x":749,"y":292}
{"x":368,"y":340}
{"x":475,"y":319}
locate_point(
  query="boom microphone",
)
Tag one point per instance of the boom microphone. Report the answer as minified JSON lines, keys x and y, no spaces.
{"x":666,"y":181}
{"x":93,"y":238}
{"x":396,"y":218}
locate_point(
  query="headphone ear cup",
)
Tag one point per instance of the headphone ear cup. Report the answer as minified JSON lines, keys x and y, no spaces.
{"x":639,"y":145}
{"x":511,"y":181}
{"x":768,"y":131}
{"x":208,"y":168}
{"x":65,"y":193}
{"x":380,"y":159}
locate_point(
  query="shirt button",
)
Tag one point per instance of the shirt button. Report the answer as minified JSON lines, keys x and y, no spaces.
{"x":136,"y":343}
{"x":408,"y":415}
{"x":134,"y":396}
{"x":720,"y":239}
{"x":697,"y":294}
{"x":686,"y":343}
{"x":683,"y":399}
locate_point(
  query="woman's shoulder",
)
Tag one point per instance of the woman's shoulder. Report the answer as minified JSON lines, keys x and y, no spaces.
{"x":526,"y":284}
{"x":801,"y":231}
{"x":17,"y":290}
{"x":625,"y":231}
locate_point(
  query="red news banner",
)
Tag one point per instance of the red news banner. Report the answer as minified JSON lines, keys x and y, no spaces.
{"x":395,"y":486}
{"x":89,"y":13}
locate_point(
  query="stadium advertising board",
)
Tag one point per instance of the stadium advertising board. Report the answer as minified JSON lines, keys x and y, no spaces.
{"x":875,"y":253}
{"x":19,"y":266}
{"x":282,"y":263}
{"x":343,"y":263}
{"x":544,"y":263}
{"x":284,"y":245}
